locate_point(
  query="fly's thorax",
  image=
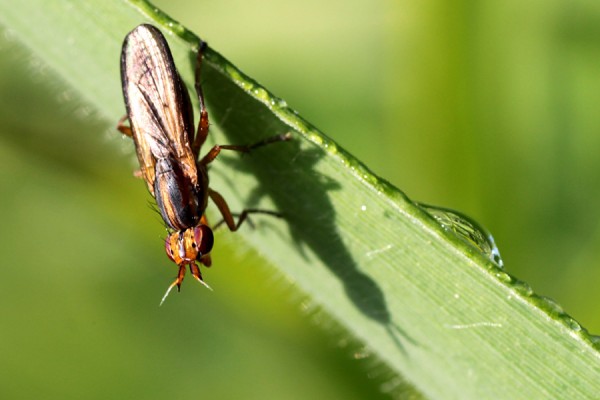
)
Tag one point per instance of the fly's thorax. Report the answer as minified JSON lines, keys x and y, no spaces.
{"x":176,"y":196}
{"x":185,"y":247}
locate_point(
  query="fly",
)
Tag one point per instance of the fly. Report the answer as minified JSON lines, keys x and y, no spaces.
{"x":161,"y":123}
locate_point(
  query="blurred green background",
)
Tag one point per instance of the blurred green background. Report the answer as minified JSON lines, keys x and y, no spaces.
{"x":487,"y":108}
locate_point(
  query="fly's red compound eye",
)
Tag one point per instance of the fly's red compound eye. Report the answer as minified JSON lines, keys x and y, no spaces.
{"x":203,"y":236}
{"x":169,"y":249}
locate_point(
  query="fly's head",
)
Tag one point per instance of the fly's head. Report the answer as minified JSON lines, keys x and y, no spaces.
{"x":190,"y":245}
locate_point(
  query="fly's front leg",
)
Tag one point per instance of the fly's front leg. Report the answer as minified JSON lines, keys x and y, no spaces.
{"x":176,"y":282}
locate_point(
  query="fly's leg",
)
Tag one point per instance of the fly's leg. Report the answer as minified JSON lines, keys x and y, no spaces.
{"x":177,"y":283}
{"x":195,"y":271}
{"x":214,"y":152}
{"x":202,"y":131}
{"x":228,"y":216}
{"x":124,"y":129}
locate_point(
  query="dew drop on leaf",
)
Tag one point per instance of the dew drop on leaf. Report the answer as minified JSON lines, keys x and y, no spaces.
{"x":466,"y":229}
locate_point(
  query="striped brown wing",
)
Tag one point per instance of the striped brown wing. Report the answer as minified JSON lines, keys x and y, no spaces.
{"x":158,"y":105}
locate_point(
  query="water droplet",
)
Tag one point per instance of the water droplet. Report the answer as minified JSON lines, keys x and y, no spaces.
{"x":504,"y":277}
{"x":260,"y":93}
{"x":245,"y":85}
{"x":64,"y":97}
{"x":467,"y":229}
{"x":361,"y":354}
{"x":309,"y":307}
{"x":571,"y":323}
{"x":550,"y":305}
{"x":363,"y":208}
{"x":522,"y":288}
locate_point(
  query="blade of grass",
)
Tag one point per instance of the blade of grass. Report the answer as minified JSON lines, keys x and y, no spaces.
{"x":425,"y":303}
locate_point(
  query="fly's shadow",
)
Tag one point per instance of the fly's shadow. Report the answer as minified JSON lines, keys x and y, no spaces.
{"x":298,"y":191}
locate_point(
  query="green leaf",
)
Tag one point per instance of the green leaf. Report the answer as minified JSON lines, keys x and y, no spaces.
{"x":429,"y":305}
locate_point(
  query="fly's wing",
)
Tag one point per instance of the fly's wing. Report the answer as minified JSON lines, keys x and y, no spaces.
{"x":157,"y":103}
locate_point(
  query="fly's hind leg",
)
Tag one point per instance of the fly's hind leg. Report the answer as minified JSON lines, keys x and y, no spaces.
{"x":202,"y":131}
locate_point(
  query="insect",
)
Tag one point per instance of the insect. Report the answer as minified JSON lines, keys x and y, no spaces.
{"x":161,"y":123}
